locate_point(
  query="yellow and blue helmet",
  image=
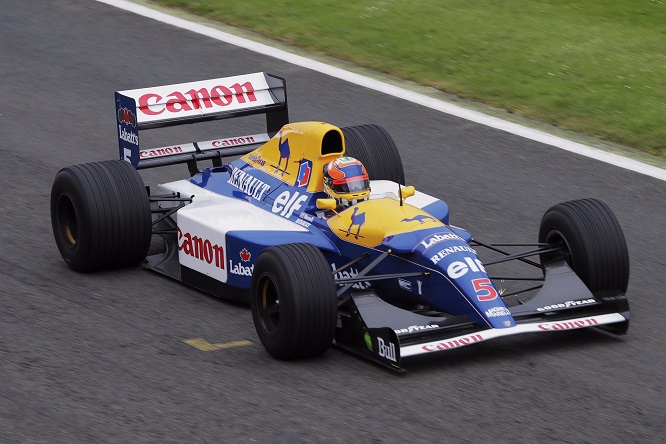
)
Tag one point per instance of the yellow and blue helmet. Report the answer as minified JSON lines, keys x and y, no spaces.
{"x":346,"y":181}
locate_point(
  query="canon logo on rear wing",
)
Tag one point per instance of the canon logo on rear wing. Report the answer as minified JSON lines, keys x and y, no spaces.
{"x":196,"y":99}
{"x":167,"y":151}
{"x":207,"y":145}
{"x":219,"y":96}
{"x":202,"y":101}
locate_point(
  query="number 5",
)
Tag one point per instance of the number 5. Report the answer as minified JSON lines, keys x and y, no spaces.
{"x":484,"y":289}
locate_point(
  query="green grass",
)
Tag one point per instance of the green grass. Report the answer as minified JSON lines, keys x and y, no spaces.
{"x":589,"y":66}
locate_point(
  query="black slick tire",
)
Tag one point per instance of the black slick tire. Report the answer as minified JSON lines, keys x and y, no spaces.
{"x":375,"y":148}
{"x":590,"y":237}
{"x":293,"y":300}
{"x":100,"y":216}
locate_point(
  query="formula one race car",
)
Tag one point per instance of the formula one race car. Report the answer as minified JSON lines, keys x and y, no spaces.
{"x":323,"y":254}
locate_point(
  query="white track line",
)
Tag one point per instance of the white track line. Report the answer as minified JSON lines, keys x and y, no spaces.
{"x":395,"y":91}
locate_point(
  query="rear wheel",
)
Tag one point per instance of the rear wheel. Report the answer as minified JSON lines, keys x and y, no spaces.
{"x":589,"y":236}
{"x":294,"y":303}
{"x":374,"y":147}
{"x":100,"y":215}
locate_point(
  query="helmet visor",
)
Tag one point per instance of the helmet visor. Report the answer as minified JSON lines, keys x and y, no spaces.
{"x":351,"y":185}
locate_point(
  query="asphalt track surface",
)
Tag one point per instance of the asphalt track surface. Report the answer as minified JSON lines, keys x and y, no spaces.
{"x":101,"y":358}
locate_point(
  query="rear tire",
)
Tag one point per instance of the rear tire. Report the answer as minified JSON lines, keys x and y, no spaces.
{"x":590,"y":237}
{"x":100,"y":216}
{"x":294,"y":303}
{"x":374,"y":147}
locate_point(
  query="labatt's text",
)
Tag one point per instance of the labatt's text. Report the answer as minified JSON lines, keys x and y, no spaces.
{"x":239,"y":269}
{"x":128,"y":136}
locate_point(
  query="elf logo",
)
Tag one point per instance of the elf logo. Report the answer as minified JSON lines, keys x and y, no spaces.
{"x":458,"y":269}
{"x":287,"y":202}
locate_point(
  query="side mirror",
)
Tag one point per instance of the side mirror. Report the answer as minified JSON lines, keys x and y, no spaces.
{"x":326,"y":204}
{"x":408,"y":191}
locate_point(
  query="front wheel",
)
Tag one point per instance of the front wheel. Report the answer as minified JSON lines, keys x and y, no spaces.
{"x":589,"y":237}
{"x":294,"y":303}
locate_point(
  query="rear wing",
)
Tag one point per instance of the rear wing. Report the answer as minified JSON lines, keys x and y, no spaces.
{"x":224,"y":98}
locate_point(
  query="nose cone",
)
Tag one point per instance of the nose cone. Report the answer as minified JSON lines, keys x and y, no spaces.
{"x":457,"y":260}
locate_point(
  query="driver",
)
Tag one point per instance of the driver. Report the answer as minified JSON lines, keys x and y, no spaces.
{"x":346,"y":181}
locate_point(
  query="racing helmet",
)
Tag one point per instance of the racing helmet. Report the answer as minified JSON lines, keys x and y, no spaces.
{"x":346,"y":181}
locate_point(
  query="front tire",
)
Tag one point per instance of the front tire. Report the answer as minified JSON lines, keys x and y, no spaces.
{"x":589,"y":236}
{"x":294,"y":303}
{"x":100,"y":216}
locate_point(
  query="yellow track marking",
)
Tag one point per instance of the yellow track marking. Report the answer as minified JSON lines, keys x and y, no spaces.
{"x":204,"y":345}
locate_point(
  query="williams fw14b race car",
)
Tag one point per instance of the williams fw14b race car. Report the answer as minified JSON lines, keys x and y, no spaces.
{"x":313,"y":225}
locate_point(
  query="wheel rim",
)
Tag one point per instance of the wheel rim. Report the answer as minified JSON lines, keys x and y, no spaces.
{"x":556,"y":239}
{"x":68,"y":229}
{"x":269,"y":307}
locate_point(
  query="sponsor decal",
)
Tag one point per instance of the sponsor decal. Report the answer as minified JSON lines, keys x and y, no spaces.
{"x":287,"y":202}
{"x":239,"y":269}
{"x":306,"y":216}
{"x":420,"y":218}
{"x":419,"y":284}
{"x":158,"y":152}
{"x":218,"y":96}
{"x":304,"y":171}
{"x":305,"y":219}
{"x":618,"y":297}
{"x":568,"y":325}
{"x":234,"y":141}
{"x":256,"y":159}
{"x":446,"y":251}
{"x":386,"y":351}
{"x":350,"y":272}
{"x":458,"y":269}
{"x":496,"y":312}
{"x":453,"y":343}
{"x":247,"y":183}
{"x":358,"y":220}
{"x":368,"y":340}
{"x":285,"y":153}
{"x":245,"y":255}
{"x":200,"y":248}
{"x":128,"y":136}
{"x":437,"y":238}
{"x":566,"y":304}
{"x":413,"y":328}
{"x":127,"y":117}
{"x":405,"y":284}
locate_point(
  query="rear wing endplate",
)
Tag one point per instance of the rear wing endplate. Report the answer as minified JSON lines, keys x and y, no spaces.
{"x":224,"y":98}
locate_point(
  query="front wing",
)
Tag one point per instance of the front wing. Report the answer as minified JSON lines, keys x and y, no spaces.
{"x":386,"y":334}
